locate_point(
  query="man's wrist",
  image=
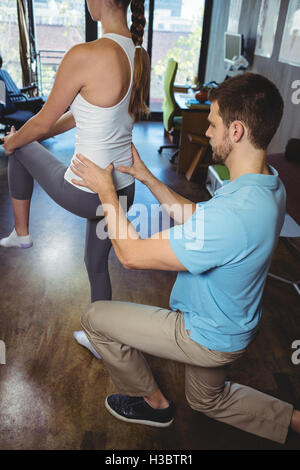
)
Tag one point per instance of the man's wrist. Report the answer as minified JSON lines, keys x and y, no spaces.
{"x":149,"y":179}
{"x":106,"y":193}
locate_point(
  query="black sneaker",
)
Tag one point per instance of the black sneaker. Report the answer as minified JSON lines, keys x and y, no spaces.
{"x":136,"y":410}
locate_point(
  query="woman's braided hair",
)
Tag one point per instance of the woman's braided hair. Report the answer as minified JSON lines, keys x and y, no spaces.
{"x":140,"y":87}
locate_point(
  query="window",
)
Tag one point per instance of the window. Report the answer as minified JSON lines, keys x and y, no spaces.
{"x":9,"y":40}
{"x":60,"y":24}
{"x":173,"y":30}
{"x":177,"y":33}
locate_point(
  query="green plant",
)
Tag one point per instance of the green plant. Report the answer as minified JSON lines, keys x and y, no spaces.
{"x":186,"y":52}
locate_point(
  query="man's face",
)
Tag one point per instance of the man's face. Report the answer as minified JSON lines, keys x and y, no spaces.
{"x":218,"y":135}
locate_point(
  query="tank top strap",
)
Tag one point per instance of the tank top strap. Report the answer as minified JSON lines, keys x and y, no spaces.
{"x":127,"y":45}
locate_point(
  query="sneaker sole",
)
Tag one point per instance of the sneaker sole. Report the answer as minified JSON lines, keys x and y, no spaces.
{"x":137,"y":421}
{"x":22,"y":245}
{"x":28,"y":245}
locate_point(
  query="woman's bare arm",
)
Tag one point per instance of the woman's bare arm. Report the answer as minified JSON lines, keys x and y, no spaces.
{"x":63,"y":124}
{"x":66,"y":86}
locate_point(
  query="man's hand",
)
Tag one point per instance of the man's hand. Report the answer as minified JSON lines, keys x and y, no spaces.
{"x":6,"y":139}
{"x":138,"y":170}
{"x":93,"y":177}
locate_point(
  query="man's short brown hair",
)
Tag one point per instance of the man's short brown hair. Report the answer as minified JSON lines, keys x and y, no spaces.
{"x":253,"y":100}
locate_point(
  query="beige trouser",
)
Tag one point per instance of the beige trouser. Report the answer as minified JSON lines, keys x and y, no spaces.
{"x":119,"y":331}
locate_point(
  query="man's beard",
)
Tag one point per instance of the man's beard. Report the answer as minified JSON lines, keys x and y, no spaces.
{"x":222,"y":151}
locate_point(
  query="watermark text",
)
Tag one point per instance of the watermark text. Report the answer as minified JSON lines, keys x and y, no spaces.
{"x":154,"y":222}
{"x":296,"y":354}
{"x":2,"y":352}
{"x":296,"y":94}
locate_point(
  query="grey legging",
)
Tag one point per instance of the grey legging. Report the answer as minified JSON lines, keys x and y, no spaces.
{"x":33,"y":161}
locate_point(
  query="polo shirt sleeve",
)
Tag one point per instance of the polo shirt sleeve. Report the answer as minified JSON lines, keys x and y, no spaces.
{"x":210,"y":238}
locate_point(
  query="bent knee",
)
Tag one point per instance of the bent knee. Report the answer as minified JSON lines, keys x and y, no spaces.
{"x":202,"y":402}
{"x":27,"y":148}
{"x":91,"y":320}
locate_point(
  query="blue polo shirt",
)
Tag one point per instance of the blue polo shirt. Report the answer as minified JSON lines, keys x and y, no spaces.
{"x":226,"y":247}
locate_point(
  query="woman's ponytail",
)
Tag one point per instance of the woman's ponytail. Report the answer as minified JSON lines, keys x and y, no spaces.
{"x":140,"y":87}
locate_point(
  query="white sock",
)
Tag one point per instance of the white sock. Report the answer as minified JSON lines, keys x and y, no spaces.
{"x":82,"y":339}
{"x":14,"y":240}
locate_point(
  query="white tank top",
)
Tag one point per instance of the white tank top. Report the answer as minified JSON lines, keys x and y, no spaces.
{"x":104,"y":135}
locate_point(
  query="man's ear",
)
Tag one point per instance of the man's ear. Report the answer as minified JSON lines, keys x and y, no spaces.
{"x":237,"y":131}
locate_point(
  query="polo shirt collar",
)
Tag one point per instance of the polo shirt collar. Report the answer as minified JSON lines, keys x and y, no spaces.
{"x":252,"y":179}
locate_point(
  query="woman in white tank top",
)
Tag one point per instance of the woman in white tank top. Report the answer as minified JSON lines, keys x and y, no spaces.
{"x":105,"y":83}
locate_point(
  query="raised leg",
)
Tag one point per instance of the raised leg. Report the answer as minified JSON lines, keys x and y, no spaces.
{"x":34,"y":162}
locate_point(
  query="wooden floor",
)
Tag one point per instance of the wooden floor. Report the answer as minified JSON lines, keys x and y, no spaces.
{"x":52,"y":391}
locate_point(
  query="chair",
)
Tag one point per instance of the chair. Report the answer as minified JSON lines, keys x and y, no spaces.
{"x":171,"y":111}
{"x":202,"y":159}
{"x":20,"y":96}
{"x":10,"y":115}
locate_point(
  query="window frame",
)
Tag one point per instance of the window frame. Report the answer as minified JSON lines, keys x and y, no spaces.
{"x":91,"y":34}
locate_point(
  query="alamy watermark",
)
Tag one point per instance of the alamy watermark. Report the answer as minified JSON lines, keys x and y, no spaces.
{"x":155,"y":221}
{"x":296,"y":93}
{"x":296,"y":355}
{"x":2,"y":352}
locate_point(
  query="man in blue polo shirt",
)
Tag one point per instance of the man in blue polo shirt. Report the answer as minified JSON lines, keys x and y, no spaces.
{"x":222,"y":250}
{"x":221,"y":293}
